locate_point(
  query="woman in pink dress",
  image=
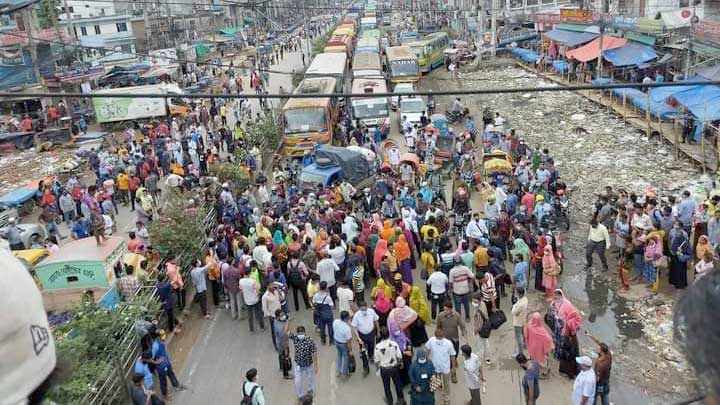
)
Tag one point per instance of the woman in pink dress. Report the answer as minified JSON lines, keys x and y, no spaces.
{"x":551,"y":269}
{"x":538,"y":340}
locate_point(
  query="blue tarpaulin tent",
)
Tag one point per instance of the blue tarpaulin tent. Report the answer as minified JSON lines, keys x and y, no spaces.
{"x":527,"y":55}
{"x":661,"y":94}
{"x":702,"y":101}
{"x":630,"y":54}
{"x":570,"y":38}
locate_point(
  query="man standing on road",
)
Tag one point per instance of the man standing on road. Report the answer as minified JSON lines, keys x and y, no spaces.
{"x":438,"y":283}
{"x":327,"y":268}
{"x":250,"y":289}
{"x":280,"y":331}
{"x":231,"y":281}
{"x":442,"y":354}
{"x":603,"y":365}
{"x":598,"y":242}
{"x":343,"y":344}
{"x":365,"y":323}
{"x":584,"y":386}
{"x":531,"y":379}
{"x":323,"y":305}
{"x":305,"y":362}
{"x":519,"y":314}
{"x":271,"y":302}
{"x":473,"y":374}
{"x":251,"y":389}
{"x":198,"y":275}
{"x":450,"y":322}
{"x":461,"y":281}
{"x":387,"y":358}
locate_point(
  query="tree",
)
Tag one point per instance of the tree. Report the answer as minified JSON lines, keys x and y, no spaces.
{"x":180,"y":229}
{"x":47,"y":13}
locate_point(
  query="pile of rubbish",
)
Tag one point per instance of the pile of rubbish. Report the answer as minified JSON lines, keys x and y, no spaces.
{"x":657,"y":320}
{"x":23,"y":167}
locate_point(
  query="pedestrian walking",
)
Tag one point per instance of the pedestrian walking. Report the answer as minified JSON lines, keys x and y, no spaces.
{"x":461,"y":281}
{"x":388,"y":358}
{"x":421,"y":372}
{"x":231,"y":276}
{"x":163,"y":366}
{"x":519,"y":313}
{"x":441,"y":352}
{"x":199,"y":277}
{"x":306,"y":364}
{"x":531,"y":379}
{"x":365,"y":324}
{"x":451,"y":324}
{"x":250,"y":289}
{"x":342,"y":334}
{"x":584,"y":387}
{"x":323,"y":306}
{"x":598,"y":242}
{"x":252,"y":392}
{"x":473,"y":374}
{"x":280,"y":330}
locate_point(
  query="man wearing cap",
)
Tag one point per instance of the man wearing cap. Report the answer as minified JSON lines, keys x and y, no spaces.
{"x":420,"y":373}
{"x":584,"y":386}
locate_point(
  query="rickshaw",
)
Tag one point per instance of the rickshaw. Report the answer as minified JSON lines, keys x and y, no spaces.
{"x":491,"y":137}
{"x":414,"y":162}
{"x":445,"y":142}
{"x":496,"y":163}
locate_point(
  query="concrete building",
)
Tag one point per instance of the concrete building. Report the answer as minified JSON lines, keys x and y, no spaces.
{"x":103,"y":35}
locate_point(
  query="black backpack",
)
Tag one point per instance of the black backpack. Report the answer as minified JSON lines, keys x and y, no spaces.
{"x":248,"y":399}
{"x":294,"y":275}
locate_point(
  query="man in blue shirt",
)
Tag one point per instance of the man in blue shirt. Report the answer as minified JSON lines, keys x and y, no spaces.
{"x":161,"y":358}
{"x":80,"y":228}
{"x":686,"y":210}
{"x":343,"y":339}
{"x":142,"y":366}
{"x":520,"y":273}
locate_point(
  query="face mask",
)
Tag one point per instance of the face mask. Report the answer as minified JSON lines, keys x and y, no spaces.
{"x":422,"y":361}
{"x":301,"y":336}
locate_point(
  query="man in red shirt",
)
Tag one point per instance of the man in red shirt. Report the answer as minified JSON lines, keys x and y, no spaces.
{"x":133,"y":185}
{"x":27,"y":124}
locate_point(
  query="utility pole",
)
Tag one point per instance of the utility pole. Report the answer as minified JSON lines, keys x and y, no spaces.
{"x":28,"y":22}
{"x":71,"y":24}
{"x":599,"y":59}
{"x":493,"y":25}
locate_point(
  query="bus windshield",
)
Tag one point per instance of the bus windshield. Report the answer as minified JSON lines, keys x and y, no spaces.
{"x":370,"y":108}
{"x":404,"y":68}
{"x":305,"y":120}
{"x":412,"y":105}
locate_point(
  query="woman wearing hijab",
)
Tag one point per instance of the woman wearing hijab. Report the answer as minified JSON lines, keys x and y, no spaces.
{"x":262,"y":231}
{"x":381,"y":285}
{"x":399,"y":321}
{"x":420,"y":305}
{"x":403,"y":314}
{"x":550,"y":271}
{"x":703,"y":246}
{"x":404,"y":255}
{"x":372,"y":244}
{"x":652,"y":252}
{"x":538,"y":340}
{"x":421,"y":371}
{"x":309,"y":233}
{"x":376,"y":223}
{"x":520,"y":248}
{"x":680,"y":254}
{"x":387,"y":231}
{"x":381,"y":248}
{"x":322,"y":240}
{"x":567,"y":324}
{"x":383,"y":305}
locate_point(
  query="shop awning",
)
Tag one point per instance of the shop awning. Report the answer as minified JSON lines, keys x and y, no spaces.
{"x":592,"y":29}
{"x":709,"y":72}
{"x":630,"y":54}
{"x":230,"y":31}
{"x":702,"y":101}
{"x":591,"y":50}
{"x":569,"y":38}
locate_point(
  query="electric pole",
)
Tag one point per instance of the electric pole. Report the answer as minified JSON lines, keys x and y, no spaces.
{"x":493,"y":25}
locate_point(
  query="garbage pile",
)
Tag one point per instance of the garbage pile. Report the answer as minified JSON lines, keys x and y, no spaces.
{"x":23,"y":167}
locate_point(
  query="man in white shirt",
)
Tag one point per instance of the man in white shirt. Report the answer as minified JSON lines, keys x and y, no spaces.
{"x":326,"y":269}
{"x":271,"y":302}
{"x":442,"y":354}
{"x":584,"y":386}
{"x":323,"y":304}
{"x":519,"y":314}
{"x":365,"y":323}
{"x":473,"y":374}
{"x":438,"y":283}
{"x":476,"y":228}
{"x":387,"y":357}
{"x":249,"y":288}
{"x":344,"y":298}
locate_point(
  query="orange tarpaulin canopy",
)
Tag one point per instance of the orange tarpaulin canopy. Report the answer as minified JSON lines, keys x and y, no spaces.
{"x":591,"y":50}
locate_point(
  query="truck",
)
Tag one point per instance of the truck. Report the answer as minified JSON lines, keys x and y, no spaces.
{"x":115,"y":109}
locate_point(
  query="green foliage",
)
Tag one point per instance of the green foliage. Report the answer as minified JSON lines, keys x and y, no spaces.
{"x":46,"y":12}
{"x":318,"y":44}
{"x":180,"y":229}
{"x":233,"y":173}
{"x":86,"y":344}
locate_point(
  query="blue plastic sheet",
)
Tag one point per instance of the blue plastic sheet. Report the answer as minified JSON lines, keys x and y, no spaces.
{"x":526,"y":55}
{"x":630,"y":54}
{"x":661,"y":110}
{"x":560,"y":66}
{"x":570,"y":38}
{"x":702,"y":101}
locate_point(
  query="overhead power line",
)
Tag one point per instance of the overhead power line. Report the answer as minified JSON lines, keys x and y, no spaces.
{"x":549,"y":89}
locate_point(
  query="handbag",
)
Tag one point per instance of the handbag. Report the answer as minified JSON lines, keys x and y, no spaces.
{"x":351,"y":364}
{"x":423,"y":274}
{"x":497,"y":318}
{"x":485,"y":330}
{"x":661,"y":262}
{"x":436,"y":383}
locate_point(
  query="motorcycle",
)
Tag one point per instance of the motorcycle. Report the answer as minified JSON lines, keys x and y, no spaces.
{"x":454,"y":116}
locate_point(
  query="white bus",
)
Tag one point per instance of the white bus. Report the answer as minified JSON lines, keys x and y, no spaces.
{"x":329,"y":65}
{"x":372,"y":111}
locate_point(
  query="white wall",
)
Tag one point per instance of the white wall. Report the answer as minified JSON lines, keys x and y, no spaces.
{"x":84,"y":9}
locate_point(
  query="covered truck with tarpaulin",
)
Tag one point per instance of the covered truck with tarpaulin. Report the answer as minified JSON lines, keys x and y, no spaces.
{"x":355,"y":167}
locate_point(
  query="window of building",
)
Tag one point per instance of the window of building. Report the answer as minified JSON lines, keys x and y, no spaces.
{"x":684,"y":3}
{"x":83,"y":31}
{"x":531,"y":3}
{"x":97,"y":30}
{"x":121,"y":27}
{"x":516,"y":3}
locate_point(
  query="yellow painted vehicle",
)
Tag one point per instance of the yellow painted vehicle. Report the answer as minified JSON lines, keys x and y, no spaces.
{"x":402,"y":64}
{"x":307,"y":122}
{"x":429,"y":50}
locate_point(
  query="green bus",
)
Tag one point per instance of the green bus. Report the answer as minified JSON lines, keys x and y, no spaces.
{"x":429,"y":50}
